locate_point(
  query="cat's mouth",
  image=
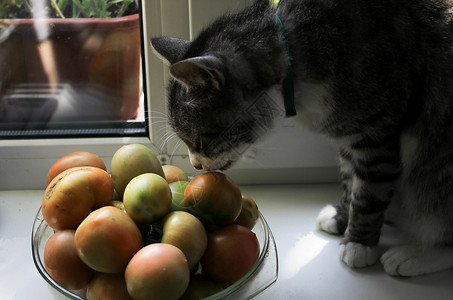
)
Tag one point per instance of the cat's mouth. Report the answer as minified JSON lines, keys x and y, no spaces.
{"x":201,"y":162}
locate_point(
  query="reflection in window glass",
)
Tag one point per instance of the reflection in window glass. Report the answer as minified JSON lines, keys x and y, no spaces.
{"x":70,"y":68}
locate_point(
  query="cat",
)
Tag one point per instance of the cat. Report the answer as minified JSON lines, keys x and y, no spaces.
{"x":375,"y":76}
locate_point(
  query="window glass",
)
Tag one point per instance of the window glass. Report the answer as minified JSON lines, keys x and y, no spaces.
{"x":71,"y":68}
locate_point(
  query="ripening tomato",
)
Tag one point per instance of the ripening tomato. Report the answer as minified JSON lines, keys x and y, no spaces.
{"x":213,"y":198}
{"x":75,"y":159}
{"x":185,"y":231}
{"x":73,"y":194}
{"x":157,"y":271}
{"x":107,"y":239}
{"x":108,"y":287}
{"x":249,"y":213}
{"x":62,"y":262}
{"x":231,"y":253}
{"x":174,"y":173}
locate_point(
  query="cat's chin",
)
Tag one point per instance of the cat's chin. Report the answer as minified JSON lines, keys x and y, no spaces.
{"x":200,"y":162}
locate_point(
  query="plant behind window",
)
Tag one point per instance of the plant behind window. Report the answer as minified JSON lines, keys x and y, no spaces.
{"x":66,"y":8}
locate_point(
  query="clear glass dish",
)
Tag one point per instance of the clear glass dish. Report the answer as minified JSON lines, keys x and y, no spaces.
{"x":263,"y":274}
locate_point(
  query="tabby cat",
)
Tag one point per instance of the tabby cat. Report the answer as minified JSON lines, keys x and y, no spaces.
{"x":376,"y":76}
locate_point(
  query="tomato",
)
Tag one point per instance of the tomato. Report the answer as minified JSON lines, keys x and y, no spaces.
{"x":231,"y":253}
{"x":147,"y":198}
{"x":213,"y":198}
{"x":200,"y":287}
{"x":72,"y":195}
{"x":185,"y":231}
{"x":62,"y":262}
{"x":157,"y":271}
{"x":108,"y":287}
{"x":249,"y":213}
{"x":75,"y":159}
{"x":177,"y":195}
{"x":107,"y":239}
{"x":130,"y":161}
{"x":173,"y":173}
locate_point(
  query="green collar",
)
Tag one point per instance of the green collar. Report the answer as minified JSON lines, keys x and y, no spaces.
{"x":288,"y":81}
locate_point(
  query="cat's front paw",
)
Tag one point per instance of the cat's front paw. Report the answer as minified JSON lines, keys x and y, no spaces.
{"x":399,"y":261}
{"x":410,"y":260}
{"x":326,"y":220}
{"x":356,"y":255}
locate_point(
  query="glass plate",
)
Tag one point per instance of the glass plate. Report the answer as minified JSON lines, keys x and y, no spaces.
{"x":263,"y":274}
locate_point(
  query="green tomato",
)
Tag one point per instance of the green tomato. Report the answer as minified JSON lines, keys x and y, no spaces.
{"x":147,"y":198}
{"x":130,"y":161}
{"x":177,"y":191}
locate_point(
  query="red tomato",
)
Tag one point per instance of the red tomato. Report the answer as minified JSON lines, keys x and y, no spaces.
{"x":73,"y":194}
{"x":107,"y":239}
{"x":157,"y":271}
{"x":75,"y":159}
{"x":231,"y":253}
{"x":62,"y":262}
{"x":214,"y":198}
{"x":249,"y":213}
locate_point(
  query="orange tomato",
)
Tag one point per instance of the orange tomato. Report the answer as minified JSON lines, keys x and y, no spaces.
{"x":72,"y":195}
{"x":174,"y":173}
{"x":107,"y":239}
{"x":75,"y":159}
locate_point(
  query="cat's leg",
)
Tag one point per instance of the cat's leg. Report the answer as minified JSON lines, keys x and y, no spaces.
{"x":426,"y":213}
{"x":412,"y":260}
{"x":333,"y":219}
{"x":376,"y":168}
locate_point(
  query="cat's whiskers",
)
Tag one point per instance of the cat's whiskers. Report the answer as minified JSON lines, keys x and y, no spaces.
{"x":156,"y":112}
{"x":166,"y":139}
{"x":178,"y":145}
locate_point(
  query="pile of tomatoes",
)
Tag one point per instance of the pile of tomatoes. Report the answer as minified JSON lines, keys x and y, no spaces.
{"x":143,"y":230}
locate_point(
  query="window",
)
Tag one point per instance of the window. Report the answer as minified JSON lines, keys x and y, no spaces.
{"x":71,"y":72}
{"x":31,"y":143}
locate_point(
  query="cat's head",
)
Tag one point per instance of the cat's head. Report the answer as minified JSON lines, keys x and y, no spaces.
{"x":213,"y":106}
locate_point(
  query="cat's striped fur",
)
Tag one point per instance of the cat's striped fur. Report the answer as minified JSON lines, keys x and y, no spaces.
{"x":376,"y":76}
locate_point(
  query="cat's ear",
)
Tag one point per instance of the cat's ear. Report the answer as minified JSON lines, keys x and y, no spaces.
{"x":169,"y":49}
{"x":199,"y":71}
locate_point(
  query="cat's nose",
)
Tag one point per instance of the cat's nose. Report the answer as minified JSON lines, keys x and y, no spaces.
{"x":197,"y":166}
{"x":195,"y":161}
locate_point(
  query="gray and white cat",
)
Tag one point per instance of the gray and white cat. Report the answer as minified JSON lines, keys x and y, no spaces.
{"x":376,"y":76}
